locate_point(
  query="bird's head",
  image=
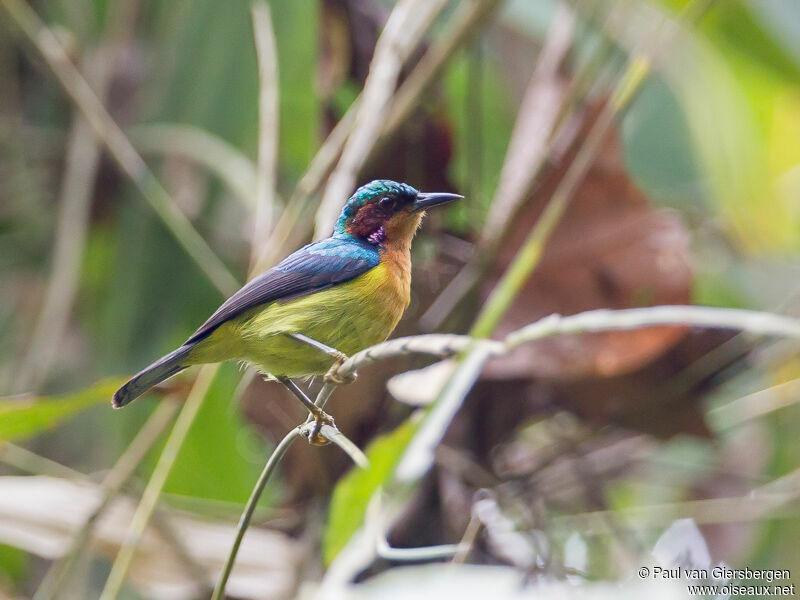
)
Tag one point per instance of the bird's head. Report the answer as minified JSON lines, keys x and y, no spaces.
{"x":384,"y":211}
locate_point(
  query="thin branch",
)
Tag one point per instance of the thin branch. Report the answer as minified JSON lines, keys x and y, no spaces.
{"x":247,"y":515}
{"x":147,"y":504}
{"x":347,"y":446}
{"x":118,"y":145}
{"x":30,"y":462}
{"x":757,"y":504}
{"x":56,"y":577}
{"x":301,"y":431}
{"x":301,"y":199}
{"x":387,"y":552}
{"x":749,"y":321}
{"x":433,"y":344}
{"x":266,"y":177}
{"x":419,"y":454}
{"x":755,"y":405}
{"x":447,"y":345}
{"x":183,"y":551}
{"x":467,"y":540}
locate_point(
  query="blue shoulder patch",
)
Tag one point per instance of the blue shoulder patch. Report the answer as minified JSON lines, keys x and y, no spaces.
{"x":331,"y":255}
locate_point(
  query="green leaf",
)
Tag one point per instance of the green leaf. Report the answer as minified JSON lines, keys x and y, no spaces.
{"x":223,"y":454}
{"x":24,"y":417}
{"x":352,"y":494}
{"x":480,"y":141}
{"x":296,"y":36}
{"x":14,"y":566}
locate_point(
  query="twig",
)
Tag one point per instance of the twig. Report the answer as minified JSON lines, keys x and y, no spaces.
{"x":301,"y":431}
{"x":118,"y":145}
{"x":247,"y":515}
{"x":445,"y":345}
{"x":473,"y":124}
{"x":309,"y":184}
{"x":467,"y":540}
{"x":433,"y":344}
{"x":757,"y":504}
{"x":56,"y":577}
{"x":387,"y":552}
{"x":754,"y":405}
{"x":419,"y":453}
{"x":376,"y":520}
{"x":169,"y":533}
{"x":749,"y":321}
{"x":408,"y":19}
{"x":348,"y":447}
{"x":145,"y":508}
{"x":266,"y":176}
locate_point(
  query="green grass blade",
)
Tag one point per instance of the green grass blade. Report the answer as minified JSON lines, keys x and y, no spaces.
{"x":22,"y":417}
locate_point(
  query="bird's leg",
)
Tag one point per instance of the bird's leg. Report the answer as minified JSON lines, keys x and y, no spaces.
{"x":320,"y":416}
{"x":338,"y":358}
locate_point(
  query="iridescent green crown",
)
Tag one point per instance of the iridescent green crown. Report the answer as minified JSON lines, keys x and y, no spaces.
{"x":369,"y":192}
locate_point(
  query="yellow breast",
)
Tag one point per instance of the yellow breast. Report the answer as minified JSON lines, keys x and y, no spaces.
{"x":349,"y":317}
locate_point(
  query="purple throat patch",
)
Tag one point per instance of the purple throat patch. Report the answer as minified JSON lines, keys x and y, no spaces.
{"x":378,"y":236}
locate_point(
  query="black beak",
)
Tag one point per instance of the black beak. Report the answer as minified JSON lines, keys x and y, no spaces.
{"x":431,"y":199}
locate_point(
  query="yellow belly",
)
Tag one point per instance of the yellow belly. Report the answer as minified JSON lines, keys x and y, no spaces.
{"x":349,"y":317}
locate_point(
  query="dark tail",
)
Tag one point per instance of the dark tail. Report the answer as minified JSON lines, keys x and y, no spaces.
{"x":164,"y":368}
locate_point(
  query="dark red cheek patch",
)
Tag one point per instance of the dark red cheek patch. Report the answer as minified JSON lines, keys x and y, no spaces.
{"x":367,"y":222}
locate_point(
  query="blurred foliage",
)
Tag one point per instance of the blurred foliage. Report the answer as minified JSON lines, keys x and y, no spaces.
{"x":222,"y":455}
{"x":25,"y":417}
{"x":352,"y":495}
{"x":709,"y":150}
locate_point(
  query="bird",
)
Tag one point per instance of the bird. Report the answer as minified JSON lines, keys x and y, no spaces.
{"x":319,"y":305}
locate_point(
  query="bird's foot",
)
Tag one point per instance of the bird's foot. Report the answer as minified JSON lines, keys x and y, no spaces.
{"x":314,"y":435}
{"x":333,"y":376}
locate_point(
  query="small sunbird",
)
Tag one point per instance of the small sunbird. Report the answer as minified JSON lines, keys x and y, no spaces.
{"x":326,"y":301}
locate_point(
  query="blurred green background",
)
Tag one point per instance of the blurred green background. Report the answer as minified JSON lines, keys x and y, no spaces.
{"x":693,"y":197}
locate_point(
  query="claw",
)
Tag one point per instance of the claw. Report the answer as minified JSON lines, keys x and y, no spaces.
{"x":314,"y":437}
{"x":332,"y":376}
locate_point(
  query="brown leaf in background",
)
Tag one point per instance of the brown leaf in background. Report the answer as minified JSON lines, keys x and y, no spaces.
{"x":611,"y":250}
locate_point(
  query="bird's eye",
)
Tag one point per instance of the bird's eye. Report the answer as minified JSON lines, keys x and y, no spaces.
{"x":386,"y":203}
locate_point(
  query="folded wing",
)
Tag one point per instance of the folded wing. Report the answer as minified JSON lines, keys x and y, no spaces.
{"x":310,"y":269}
